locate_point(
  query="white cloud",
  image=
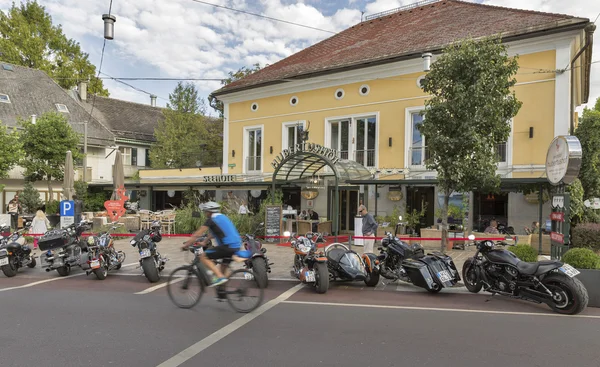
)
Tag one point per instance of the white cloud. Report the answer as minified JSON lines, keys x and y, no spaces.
{"x":182,"y":38}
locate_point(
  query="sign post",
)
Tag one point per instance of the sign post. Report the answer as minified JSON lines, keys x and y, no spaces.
{"x":563,"y":162}
{"x":67,"y":213}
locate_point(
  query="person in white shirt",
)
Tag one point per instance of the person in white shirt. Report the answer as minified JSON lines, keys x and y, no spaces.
{"x":243,"y":209}
{"x":39,"y":225}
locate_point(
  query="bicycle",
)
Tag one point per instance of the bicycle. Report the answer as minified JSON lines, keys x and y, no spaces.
{"x":195,"y":275}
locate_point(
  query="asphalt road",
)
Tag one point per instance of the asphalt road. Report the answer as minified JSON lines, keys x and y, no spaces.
{"x":126,"y":321}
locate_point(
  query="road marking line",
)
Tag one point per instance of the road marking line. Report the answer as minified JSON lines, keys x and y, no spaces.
{"x":439,"y":309}
{"x":50,"y":280}
{"x":193,"y":350}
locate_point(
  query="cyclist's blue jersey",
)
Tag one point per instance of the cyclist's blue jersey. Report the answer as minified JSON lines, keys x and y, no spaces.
{"x":223,"y":230}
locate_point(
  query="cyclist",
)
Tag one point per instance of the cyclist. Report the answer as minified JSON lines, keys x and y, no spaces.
{"x":223,"y":230}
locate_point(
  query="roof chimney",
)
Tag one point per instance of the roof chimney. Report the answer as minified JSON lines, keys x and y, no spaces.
{"x":83,"y":91}
{"x":152,"y":100}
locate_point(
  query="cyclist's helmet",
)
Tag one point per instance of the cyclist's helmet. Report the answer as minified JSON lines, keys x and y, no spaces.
{"x":210,"y":206}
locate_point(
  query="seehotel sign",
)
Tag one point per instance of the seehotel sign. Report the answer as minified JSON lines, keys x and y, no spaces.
{"x":326,"y":153}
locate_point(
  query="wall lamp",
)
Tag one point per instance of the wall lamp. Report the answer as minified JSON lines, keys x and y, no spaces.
{"x":427,"y":61}
{"x":233,"y":153}
{"x":531,"y":132}
{"x":390,"y":141}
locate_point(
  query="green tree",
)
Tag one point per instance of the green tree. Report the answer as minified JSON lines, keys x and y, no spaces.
{"x":28,"y":38}
{"x":233,"y":76}
{"x":46,"y":144}
{"x":588,"y":133}
{"x":468,"y":116}
{"x":11,"y":150}
{"x":30,"y":198}
{"x":182,"y":138}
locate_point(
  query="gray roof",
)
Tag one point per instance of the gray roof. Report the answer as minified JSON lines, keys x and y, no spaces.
{"x":33,"y":92}
{"x":127,"y":120}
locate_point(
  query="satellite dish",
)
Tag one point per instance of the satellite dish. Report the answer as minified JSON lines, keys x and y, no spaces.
{"x":255,"y":193}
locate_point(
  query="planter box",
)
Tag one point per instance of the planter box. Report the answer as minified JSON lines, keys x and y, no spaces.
{"x":591,"y":281}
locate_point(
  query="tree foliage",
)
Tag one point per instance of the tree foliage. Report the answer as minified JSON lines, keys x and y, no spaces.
{"x":233,"y":76}
{"x":46,"y":144}
{"x":30,"y":199}
{"x":468,"y":116}
{"x":183,"y":138}
{"x":588,"y":133}
{"x":28,"y":38}
{"x":11,"y":151}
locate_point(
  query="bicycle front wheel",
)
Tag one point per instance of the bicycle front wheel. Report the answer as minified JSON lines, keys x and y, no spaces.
{"x":185,"y":288}
{"x":244,"y":293}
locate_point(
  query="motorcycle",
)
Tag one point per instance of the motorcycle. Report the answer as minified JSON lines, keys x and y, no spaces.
{"x":62,"y":249}
{"x":104,"y":256}
{"x":502,"y":272}
{"x":399,"y":260}
{"x":151,"y":261}
{"x":14,"y":253}
{"x":259,"y":262}
{"x":309,"y":266}
{"x":345,"y":264}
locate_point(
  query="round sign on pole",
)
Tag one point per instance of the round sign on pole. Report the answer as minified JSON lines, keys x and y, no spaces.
{"x":563,"y":160}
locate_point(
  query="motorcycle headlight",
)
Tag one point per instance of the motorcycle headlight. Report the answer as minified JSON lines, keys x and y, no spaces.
{"x":90,"y":240}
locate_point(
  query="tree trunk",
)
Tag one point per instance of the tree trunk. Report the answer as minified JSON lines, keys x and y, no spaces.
{"x":445,"y":220}
{"x":50,"y":189}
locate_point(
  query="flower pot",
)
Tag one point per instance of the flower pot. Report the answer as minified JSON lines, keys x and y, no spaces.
{"x":591,"y":281}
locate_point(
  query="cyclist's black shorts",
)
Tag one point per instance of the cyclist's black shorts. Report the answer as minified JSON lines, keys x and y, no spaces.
{"x":221,"y":252}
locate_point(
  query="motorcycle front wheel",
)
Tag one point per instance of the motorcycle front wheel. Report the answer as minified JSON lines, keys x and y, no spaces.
{"x":150,"y":270}
{"x":259,"y":268}
{"x":321,"y":277}
{"x":472,"y":281}
{"x":569,"y":295}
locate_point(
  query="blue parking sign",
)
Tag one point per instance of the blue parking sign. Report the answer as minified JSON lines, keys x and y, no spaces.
{"x":67,"y":208}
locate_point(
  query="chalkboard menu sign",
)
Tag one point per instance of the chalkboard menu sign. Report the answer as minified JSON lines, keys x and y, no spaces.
{"x":273,"y":222}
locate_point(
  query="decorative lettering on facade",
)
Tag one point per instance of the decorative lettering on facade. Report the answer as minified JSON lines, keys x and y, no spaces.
{"x":326,"y":153}
{"x":219,"y":178}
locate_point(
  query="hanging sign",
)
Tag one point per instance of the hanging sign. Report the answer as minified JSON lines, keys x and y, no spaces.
{"x":557,"y":216}
{"x":558,"y":201}
{"x":323,"y":152}
{"x":563,"y":160}
{"x":557,"y":237}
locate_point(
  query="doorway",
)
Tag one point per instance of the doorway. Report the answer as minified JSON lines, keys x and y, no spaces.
{"x":347,"y":208}
{"x":419,"y":198}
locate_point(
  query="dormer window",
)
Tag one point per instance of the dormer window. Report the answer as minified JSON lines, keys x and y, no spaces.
{"x":4,"y":98}
{"x":62,"y":108}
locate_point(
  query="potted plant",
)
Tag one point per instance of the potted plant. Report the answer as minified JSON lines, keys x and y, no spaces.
{"x":588,"y":264}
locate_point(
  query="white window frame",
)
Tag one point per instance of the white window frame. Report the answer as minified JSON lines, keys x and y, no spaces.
{"x":126,"y":153}
{"x":352,"y":144}
{"x":246,"y":143}
{"x":408,"y":141}
{"x":285,"y":134}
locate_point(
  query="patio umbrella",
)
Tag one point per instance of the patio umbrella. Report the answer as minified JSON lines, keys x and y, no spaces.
{"x":118,"y":174}
{"x":69,"y":177}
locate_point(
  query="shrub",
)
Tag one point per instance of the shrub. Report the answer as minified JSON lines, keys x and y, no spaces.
{"x":525,"y":252}
{"x":185,"y":222}
{"x":52,"y":207}
{"x":586,"y":235}
{"x":582,"y":258}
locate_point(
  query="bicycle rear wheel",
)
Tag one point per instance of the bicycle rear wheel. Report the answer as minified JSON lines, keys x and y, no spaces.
{"x":244,"y":293}
{"x":185,"y":282}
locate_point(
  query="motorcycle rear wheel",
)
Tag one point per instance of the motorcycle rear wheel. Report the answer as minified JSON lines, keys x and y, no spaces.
{"x":570,"y":298}
{"x":102,"y":271}
{"x":372,"y":279}
{"x":32,"y":264}
{"x":10,"y":270}
{"x":472,"y":284}
{"x":63,"y":271}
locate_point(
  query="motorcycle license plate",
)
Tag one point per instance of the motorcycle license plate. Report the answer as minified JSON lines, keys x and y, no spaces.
{"x":310,"y":276}
{"x":145,"y":253}
{"x":569,"y":270}
{"x":95,"y":264}
{"x":4,"y":261}
{"x":444,"y":276}
{"x":248,"y":276}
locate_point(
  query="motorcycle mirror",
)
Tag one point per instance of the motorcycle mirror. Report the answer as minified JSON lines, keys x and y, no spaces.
{"x":471,"y":237}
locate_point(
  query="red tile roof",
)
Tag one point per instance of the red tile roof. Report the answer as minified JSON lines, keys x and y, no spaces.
{"x":406,"y":33}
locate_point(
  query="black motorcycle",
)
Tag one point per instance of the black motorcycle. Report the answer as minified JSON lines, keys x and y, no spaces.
{"x":14,"y":253}
{"x":499,"y":271}
{"x":345,"y":264}
{"x":259,"y":262}
{"x":151,"y":261}
{"x":62,"y":249}
{"x":400,"y":261}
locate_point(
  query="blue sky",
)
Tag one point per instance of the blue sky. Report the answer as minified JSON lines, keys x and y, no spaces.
{"x":183,"y":38}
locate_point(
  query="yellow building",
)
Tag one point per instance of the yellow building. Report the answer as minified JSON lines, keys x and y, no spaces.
{"x":359,"y":94}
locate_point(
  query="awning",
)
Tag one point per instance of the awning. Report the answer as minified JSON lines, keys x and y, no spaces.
{"x":305,"y":164}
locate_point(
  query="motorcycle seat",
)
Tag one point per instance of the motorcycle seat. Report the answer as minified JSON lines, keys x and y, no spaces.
{"x":335,"y":254}
{"x":537,"y":268}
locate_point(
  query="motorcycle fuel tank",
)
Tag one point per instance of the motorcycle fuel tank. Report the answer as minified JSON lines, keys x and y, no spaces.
{"x":502,"y":257}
